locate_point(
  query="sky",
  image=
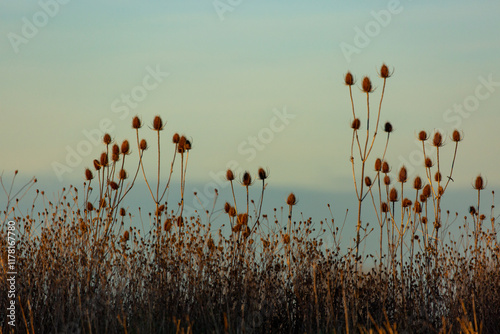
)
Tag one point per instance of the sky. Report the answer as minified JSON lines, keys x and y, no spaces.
{"x":251,"y":83}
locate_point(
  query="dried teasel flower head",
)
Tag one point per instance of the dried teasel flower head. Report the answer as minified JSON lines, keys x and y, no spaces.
{"x":136,"y":123}
{"x":438,"y":177}
{"x":423,"y":136}
{"x":385,"y":167}
{"x":367,"y":85}
{"x":157,"y":123}
{"x":229,"y":175}
{"x":103,"y":161}
{"x":427,"y":191}
{"x":126,"y":236}
{"x":356,"y":124}
{"x":403,"y":175}
{"x":263,"y":174}
{"x":437,"y":141}
{"x":384,"y":71}
{"x":176,"y":138}
{"x":387,"y":180}
{"x":349,"y":79}
{"x":115,"y":149}
{"x":113,"y":185}
{"x":457,"y":136}
{"x":388,"y":127}
{"x":417,"y":183}
{"x":291,"y":200}
{"x":407,"y":202}
{"x":393,"y":195}
{"x":123,"y":212}
{"x":479,"y":183}
{"x":227,"y":207}
{"x":123,"y":174}
{"x":368,"y":181}
{"x":246,"y":180}
{"x":143,"y":145}
{"x":97,"y":165}
{"x":125,"y":149}
{"x":88,"y":174}
{"x":378,"y":165}
{"x":428,"y":163}
{"x":106,"y":139}
{"x":384,"y":207}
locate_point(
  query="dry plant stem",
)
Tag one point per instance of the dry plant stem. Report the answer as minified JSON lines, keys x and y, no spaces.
{"x":142,"y":165}
{"x":234,"y":197}
{"x":378,"y":119}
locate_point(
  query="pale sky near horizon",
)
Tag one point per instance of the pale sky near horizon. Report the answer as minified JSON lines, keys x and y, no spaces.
{"x":233,"y":77}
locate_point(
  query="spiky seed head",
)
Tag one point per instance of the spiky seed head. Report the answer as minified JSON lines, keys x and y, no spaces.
{"x":427,"y":190}
{"x":387,"y":180}
{"x":423,"y":198}
{"x":113,"y":185}
{"x":393,"y":195}
{"x":103,"y":161}
{"x":428,"y":163}
{"x":176,"y":138}
{"x":90,"y":207}
{"x":437,"y":225}
{"x":424,"y":220}
{"x":115,"y":157}
{"x":123,"y":174}
{"x":356,"y":124}
{"x":385,"y":167}
{"x":143,"y":145}
{"x":262,"y":173}
{"x":417,"y":207}
{"x":97,"y":165}
{"x":136,"y":123}
{"x":181,"y":146}
{"x":187,"y":146}
{"x":229,"y":175}
{"x":367,"y":85}
{"x":103,"y":203}
{"x":407,"y":202}
{"x":378,"y":165}
{"x":384,"y":71}
{"x":232,"y":212}
{"x":403,"y":175}
{"x":243,"y":219}
{"x":472,"y":210}
{"x":88,"y":174}
{"x":388,"y":127}
{"x":227,"y":207}
{"x":115,"y":149}
{"x":246,"y":180}
{"x":125,"y":147}
{"x":291,"y":200}
{"x":349,"y":79}
{"x":437,"y":177}
{"x":126,"y":236}
{"x":440,"y":190}
{"x":123,"y":212}
{"x":423,"y":136}
{"x":286,"y":239}
{"x":437,"y":141}
{"x":368,"y":181}
{"x":457,"y":136}
{"x":482,"y":217}
{"x":479,"y":183}
{"x":417,"y":183}
{"x":384,"y":207}
{"x":106,"y":139}
{"x":167,"y":225}
{"x":157,"y":123}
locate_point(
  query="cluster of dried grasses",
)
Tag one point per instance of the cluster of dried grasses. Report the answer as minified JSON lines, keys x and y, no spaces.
{"x":85,"y":265}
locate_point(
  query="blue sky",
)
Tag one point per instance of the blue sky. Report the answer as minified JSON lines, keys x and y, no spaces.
{"x":229,"y":78}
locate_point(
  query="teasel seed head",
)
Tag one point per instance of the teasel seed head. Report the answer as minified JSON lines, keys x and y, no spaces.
{"x":423,"y":198}
{"x":176,"y":138}
{"x":181,"y":145}
{"x":125,"y":236}
{"x":125,"y":147}
{"x":388,"y":127}
{"x":123,"y":212}
{"x":103,"y":159}
{"x":115,"y":157}
{"x":482,"y":217}
{"x":423,"y":136}
{"x":384,"y":72}
{"x":143,"y":145}
{"x":403,"y":175}
{"x":88,"y":174}
{"x":437,"y":141}
{"x":428,"y":163}
{"x":246,"y":180}
{"x":123,"y":174}
{"x":232,"y":212}
{"x":291,"y":200}
{"x":167,"y":225}
{"x":438,"y":177}
{"x":106,"y":139}
{"x":368,"y":181}
{"x":407,"y":202}
{"x":385,"y":167}
{"x":90,"y":207}
{"x":479,"y":183}
{"x":263,"y":174}
{"x":349,"y":79}
{"x":356,"y":124}
{"x":113,"y":185}
{"x":103,"y":203}
{"x":424,"y":220}
{"x":229,"y":175}
{"x":243,"y":219}
{"x":115,"y":149}
{"x":393,"y":195}
{"x":187,"y":145}
{"x":384,"y":207}
{"x":227,"y":207}
{"x":440,"y":190}
{"x":457,"y":136}
{"x":427,"y":191}
{"x":97,"y":166}
{"x":387,"y":180}
{"x":437,"y":225}
{"x":136,"y":123}
{"x":378,"y":165}
{"x":367,"y":85}
{"x":472,"y":210}
{"x":157,"y":123}
{"x":417,"y":183}
{"x":417,"y":207}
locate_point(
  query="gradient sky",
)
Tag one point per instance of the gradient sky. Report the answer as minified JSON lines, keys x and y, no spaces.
{"x":229,"y":73}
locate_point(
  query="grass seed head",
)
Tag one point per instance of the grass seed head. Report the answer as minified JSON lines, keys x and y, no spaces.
{"x":123,"y":174}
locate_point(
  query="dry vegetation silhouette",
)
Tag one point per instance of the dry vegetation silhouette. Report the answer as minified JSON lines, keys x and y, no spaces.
{"x":85,"y":266}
